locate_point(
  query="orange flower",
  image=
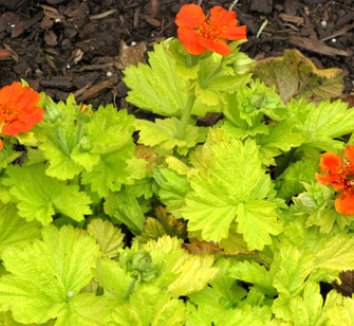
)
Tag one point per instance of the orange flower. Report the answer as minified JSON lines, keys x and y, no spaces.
{"x":19,"y":110}
{"x":340,"y":174}
{"x":199,"y":33}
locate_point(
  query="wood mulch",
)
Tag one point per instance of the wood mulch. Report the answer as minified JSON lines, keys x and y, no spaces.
{"x":63,"y":46}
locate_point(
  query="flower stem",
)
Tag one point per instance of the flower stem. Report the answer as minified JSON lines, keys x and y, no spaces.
{"x":183,"y":123}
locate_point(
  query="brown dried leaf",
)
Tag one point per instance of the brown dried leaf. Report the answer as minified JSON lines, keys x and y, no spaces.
{"x":346,"y":288}
{"x":173,"y":227}
{"x":148,"y":154}
{"x":349,"y":99}
{"x":130,"y":55}
{"x":199,"y":247}
{"x":295,"y":75}
{"x":153,"y":229}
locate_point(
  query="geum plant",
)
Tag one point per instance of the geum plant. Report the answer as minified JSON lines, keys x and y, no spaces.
{"x":234,"y":206}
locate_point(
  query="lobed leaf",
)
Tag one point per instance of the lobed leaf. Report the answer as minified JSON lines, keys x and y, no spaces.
{"x":39,"y":197}
{"x":46,"y":276}
{"x":230,"y":181}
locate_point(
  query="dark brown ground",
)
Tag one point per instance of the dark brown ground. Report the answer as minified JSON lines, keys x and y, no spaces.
{"x":64,"y":46}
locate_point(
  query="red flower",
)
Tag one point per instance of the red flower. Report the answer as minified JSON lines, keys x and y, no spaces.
{"x":19,"y":110}
{"x":340,"y":174}
{"x":199,"y":33}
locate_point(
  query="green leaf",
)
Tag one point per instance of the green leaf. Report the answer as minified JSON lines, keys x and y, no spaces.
{"x":230,"y":174}
{"x":212,"y":313}
{"x":39,"y":197}
{"x":13,"y":229}
{"x":164,"y":132}
{"x":281,"y":138}
{"x":291,"y":267}
{"x":216,"y":75}
{"x":252,"y":272}
{"x":126,"y":209}
{"x":180,"y":272}
{"x":114,"y":279}
{"x":8,"y":154}
{"x":150,"y":307}
{"x":155,"y":87}
{"x":59,"y":137}
{"x":86,"y":309}
{"x":322,"y":122}
{"x":104,"y":150}
{"x":318,"y":205}
{"x":339,"y":309}
{"x":291,"y":180}
{"x":7,"y":320}
{"x":246,"y":107}
{"x":171,"y":189}
{"x":45,"y":279}
{"x":108,"y":237}
{"x":206,"y":98}
{"x":335,"y":253}
{"x":305,"y":309}
{"x":257,"y":221}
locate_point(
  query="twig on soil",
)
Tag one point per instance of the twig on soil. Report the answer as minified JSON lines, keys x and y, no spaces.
{"x":93,"y":67}
{"x":95,"y":89}
{"x":232,"y":6}
{"x":317,"y":46}
{"x":261,"y":29}
{"x":103,"y":14}
{"x":292,"y":19}
{"x":340,"y":32}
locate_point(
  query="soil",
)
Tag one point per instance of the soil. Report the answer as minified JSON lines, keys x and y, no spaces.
{"x":63,"y":46}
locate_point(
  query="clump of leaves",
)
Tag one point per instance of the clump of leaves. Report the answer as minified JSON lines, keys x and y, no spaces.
{"x":189,"y":225}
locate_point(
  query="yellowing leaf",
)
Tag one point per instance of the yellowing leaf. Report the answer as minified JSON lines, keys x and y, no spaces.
{"x":45,"y":278}
{"x":295,"y":75}
{"x":108,"y":237}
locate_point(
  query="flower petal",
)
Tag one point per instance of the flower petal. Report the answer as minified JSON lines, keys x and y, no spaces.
{"x":344,"y":203}
{"x":324,"y":179}
{"x":235,"y":33}
{"x":218,"y":46}
{"x":10,"y":93}
{"x":349,"y":153}
{"x":18,"y":109}
{"x":24,"y":123}
{"x":190,"y":40}
{"x":331,"y":163}
{"x":28,"y":98}
{"x":220,"y":17}
{"x":190,"y":16}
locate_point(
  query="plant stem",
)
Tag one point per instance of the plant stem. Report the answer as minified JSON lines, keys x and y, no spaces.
{"x":130,"y":288}
{"x":182,"y":127}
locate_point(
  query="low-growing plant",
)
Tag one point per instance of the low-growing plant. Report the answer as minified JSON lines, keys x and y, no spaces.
{"x":232,"y":205}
